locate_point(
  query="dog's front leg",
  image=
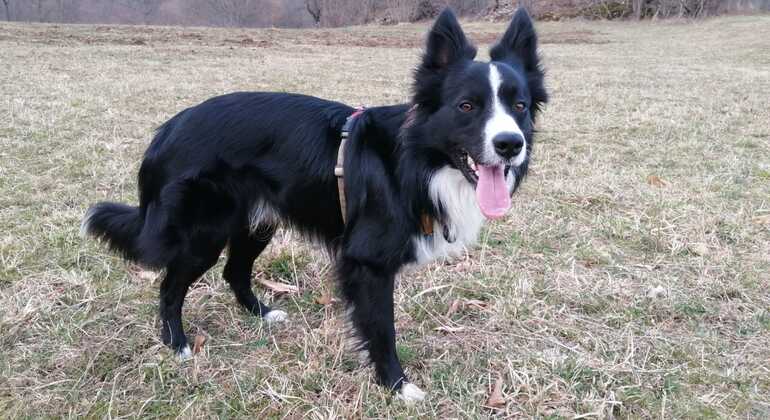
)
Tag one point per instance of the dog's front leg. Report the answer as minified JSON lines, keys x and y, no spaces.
{"x":368,"y":291}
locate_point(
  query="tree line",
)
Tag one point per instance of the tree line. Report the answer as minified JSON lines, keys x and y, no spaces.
{"x":250,"y":13}
{"x":329,"y":13}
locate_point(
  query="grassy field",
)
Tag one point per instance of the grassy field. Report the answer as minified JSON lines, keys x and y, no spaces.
{"x":630,"y":280}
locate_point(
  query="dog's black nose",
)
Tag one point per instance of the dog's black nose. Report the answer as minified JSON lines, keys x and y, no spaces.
{"x":508,"y":145}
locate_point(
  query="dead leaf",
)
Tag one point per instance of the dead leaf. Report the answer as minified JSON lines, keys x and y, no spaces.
{"x":762,"y":220}
{"x":479,"y":304}
{"x":453,"y":307}
{"x":325,"y":299}
{"x":656,"y":181}
{"x":200,"y":340}
{"x":448,"y":329}
{"x":465,"y":304}
{"x":147,"y":275}
{"x":700,"y":249}
{"x":496,"y":399}
{"x":279,"y":287}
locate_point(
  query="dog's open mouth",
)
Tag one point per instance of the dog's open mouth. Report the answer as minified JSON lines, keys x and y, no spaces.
{"x":492,"y":192}
{"x":465,"y":164}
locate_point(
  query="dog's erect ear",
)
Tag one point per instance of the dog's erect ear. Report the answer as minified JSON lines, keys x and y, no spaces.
{"x":446,"y":47}
{"x":518,"y":47}
{"x":519,"y":43}
{"x":446,"y":43}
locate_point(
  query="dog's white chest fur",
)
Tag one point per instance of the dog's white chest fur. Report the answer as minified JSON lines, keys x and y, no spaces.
{"x":456,"y":196}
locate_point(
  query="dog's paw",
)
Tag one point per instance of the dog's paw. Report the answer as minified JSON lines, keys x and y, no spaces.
{"x":184,"y":354}
{"x":411,"y":394}
{"x":275,"y":316}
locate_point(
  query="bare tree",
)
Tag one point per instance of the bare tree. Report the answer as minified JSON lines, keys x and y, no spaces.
{"x":146,"y":9}
{"x":41,"y":10}
{"x":314,"y":8}
{"x":236,"y":12}
{"x":341,"y":12}
{"x":7,"y":10}
{"x":467,"y":7}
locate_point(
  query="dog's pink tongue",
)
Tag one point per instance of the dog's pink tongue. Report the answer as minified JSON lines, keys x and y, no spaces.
{"x":492,"y":191}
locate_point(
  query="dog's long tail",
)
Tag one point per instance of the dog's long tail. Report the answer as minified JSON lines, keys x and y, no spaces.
{"x":117,"y":224}
{"x":125,"y":228}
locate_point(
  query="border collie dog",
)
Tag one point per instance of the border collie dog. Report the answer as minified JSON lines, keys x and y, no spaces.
{"x":227,"y":172}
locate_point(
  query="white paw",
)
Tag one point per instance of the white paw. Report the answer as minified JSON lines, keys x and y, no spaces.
{"x":411,"y":394}
{"x":185,"y":354}
{"x":275,"y":316}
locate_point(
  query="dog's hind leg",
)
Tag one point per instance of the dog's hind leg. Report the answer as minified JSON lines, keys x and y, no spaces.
{"x":202,"y":254}
{"x":244,"y":248}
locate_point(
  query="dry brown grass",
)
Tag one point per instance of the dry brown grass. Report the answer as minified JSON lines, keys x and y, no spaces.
{"x":630,"y":280}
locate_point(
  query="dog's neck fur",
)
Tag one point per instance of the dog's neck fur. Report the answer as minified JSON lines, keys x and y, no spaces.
{"x":427,"y":183}
{"x":443,"y":192}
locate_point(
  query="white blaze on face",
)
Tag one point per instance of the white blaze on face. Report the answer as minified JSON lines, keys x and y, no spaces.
{"x":499,"y":122}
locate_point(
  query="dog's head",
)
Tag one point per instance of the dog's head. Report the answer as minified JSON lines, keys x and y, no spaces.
{"x":480,"y":114}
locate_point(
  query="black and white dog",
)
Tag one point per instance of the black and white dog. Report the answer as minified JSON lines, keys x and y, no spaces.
{"x":227,"y":172}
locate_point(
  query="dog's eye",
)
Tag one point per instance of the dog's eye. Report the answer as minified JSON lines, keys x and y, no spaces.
{"x":466,"y":106}
{"x":520,"y":106}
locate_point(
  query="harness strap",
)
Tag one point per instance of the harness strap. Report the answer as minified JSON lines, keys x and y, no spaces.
{"x":339,"y":170}
{"x":426,"y":222}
